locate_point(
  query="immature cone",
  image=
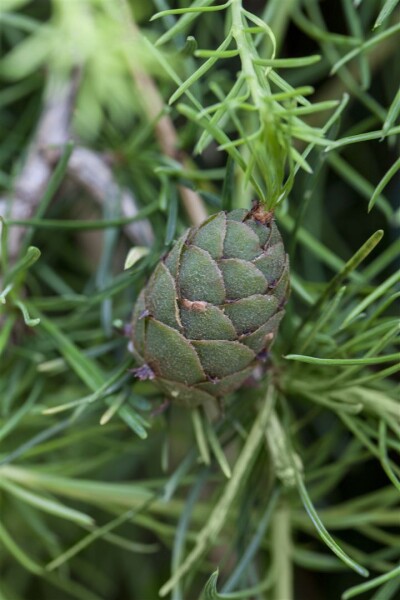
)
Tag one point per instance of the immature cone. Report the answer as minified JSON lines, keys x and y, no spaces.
{"x":212,"y":307}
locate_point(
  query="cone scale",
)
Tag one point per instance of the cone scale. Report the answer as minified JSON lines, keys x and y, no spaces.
{"x":212,"y":307}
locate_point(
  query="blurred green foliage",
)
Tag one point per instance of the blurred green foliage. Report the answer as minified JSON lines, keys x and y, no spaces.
{"x":294,"y":491}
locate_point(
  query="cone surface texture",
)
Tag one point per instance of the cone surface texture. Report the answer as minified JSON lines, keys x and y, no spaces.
{"x":212,"y":307}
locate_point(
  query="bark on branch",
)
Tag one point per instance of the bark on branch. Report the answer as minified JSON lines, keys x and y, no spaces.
{"x":86,"y":167}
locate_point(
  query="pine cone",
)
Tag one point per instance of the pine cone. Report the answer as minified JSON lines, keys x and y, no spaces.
{"x":212,"y":307}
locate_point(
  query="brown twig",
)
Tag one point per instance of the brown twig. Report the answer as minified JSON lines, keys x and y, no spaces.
{"x":31,"y":183}
{"x":86,"y":167}
{"x":90,"y":171}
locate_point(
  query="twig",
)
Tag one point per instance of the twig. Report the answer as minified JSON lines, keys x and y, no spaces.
{"x":86,"y":167}
{"x":164,"y":129}
{"x":89,"y":170}
{"x":31,"y":183}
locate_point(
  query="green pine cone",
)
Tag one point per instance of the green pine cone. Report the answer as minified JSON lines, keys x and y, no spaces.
{"x":212,"y":307}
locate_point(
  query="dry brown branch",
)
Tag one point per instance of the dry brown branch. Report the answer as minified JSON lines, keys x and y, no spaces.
{"x":86,"y":167}
{"x":31,"y":183}
{"x":89,"y":170}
